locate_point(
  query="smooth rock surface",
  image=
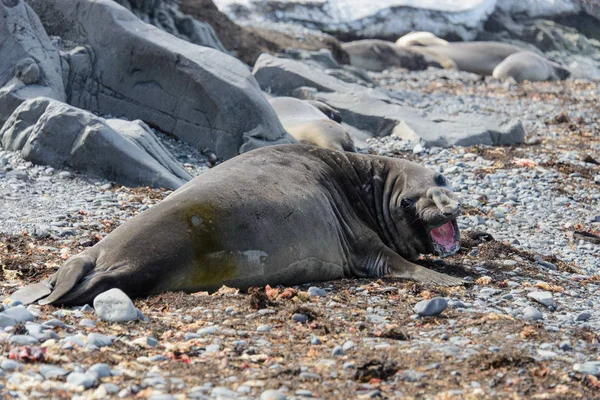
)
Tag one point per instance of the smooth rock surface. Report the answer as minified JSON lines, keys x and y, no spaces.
{"x":431,"y":307}
{"x":48,"y":132}
{"x":115,"y":306}
{"x":135,"y":70}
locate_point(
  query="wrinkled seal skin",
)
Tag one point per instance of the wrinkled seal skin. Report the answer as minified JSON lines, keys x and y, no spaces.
{"x":476,"y":57}
{"x":288,"y":215}
{"x":528,"y":66}
{"x":312,"y":123}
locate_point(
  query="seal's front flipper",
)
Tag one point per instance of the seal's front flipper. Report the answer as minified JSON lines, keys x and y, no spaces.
{"x":32,"y":293}
{"x":402,"y":268}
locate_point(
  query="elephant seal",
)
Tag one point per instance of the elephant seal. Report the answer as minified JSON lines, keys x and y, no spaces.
{"x":420,"y":38}
{"x":528,"y":66}
{"x":434,"y":58}
{"x":379,"y":55}
{"x":476,"y":57}
{"x":278,"y":215}
{"x":326,"y":109}
{"x":308,"y":124}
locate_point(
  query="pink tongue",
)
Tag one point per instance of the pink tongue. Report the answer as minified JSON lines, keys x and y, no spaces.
{"x":444,"y":235}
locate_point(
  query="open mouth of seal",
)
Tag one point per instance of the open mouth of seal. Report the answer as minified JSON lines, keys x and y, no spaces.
{"x":445,"y":238}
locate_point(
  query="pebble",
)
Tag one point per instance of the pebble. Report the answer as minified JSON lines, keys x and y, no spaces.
{"x":337,"y":351}
{"x":100,"y":369}
{"x":224,"y":392}
{"x":263,"y":328}
{"x":23,"y":340}
{"x":209,"y":330}
{"x":115,"y":306}
{"x":532,"y":313}
{"x":431,"y":307}
{"x":272,"y":395}
{"x":314,"y":291}
{"x":86,"y":380}
{"x":9,"y":365}
{"x":19,"y":313}
{"x":542,"y":297}
{"x":299,"y":318}
{"x":99,"y":340}
{"x":587,"y":369}
{"x":52,"y":371}
{"x":584,"y":316}
{"x":6,"y":321}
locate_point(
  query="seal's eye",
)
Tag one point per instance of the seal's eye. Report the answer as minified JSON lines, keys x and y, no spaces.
{"x":407,"y":203}
{"x":440,"y":180}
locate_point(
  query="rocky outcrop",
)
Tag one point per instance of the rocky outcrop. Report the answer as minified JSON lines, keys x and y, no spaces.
{"x":451,"y":19}
{"x":166,"y":16}
{"x":352,"y":20}
{"x":372,"y":112}
{"x":135,"y":70}
{"x":49,"y":132}
{"x":249,"y":42}
{"x":29,"y":65}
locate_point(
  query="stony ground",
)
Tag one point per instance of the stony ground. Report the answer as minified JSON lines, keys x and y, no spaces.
{"x":526,"y":327}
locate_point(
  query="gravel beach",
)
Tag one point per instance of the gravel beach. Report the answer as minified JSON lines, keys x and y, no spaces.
{"x":527,"y":326}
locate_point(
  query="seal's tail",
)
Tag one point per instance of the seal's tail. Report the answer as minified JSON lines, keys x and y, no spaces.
{"x":58,"y":285}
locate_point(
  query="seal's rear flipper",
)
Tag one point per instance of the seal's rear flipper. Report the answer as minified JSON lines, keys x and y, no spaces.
{"x":68,"y":276}
{"x":31,"y":293}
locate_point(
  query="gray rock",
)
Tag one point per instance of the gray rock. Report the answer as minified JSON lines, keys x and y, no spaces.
{"x":532,"y":313}
{"x":84,"y":379}
{"x":542,"y":297}
{"x":209,"y":330}
{"x":52,"y":133}
{"x":376,"y":19}
{"x":587,"y":369}
{"x":272,"y":395}
{"x":23,"y":340}
{"x":314,"y":291}
{"x":583,"y":316}
{"x":27,"y":71}
{"x":337,"y":351}
{"x":373,"y":112}
{"x":431,"y":307}
{"x":166,"y":16}
{"x":17,"y":174}
{"x":5,"y":321}
{"x":98,"y":340}
{"x":29,"y":65}
{"x":198,"y":94}
{"x":153,"y":381}
{"x":299,"y":318}
{"x":9,"y":365}
{"x":115,"y":306}
{"x":108,"y":388}
{"x":264,"y":328}
{"x":224,"y":392}
{"x":19,"y":313}
{"x":52,"y":371}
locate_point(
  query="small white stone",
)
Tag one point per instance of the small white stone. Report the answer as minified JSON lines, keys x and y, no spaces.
{"x":115,"y":306}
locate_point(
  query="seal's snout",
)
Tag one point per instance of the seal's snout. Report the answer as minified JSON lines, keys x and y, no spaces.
{"x":444,"y":234}
{"x":448,"y":206}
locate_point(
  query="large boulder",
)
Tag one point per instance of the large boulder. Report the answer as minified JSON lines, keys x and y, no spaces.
{"x":135,"y":70}
{"x":374,"y":113}
{"x":29,"y":65}
{"x":166,"y":16}
{"x":49,"y":132}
